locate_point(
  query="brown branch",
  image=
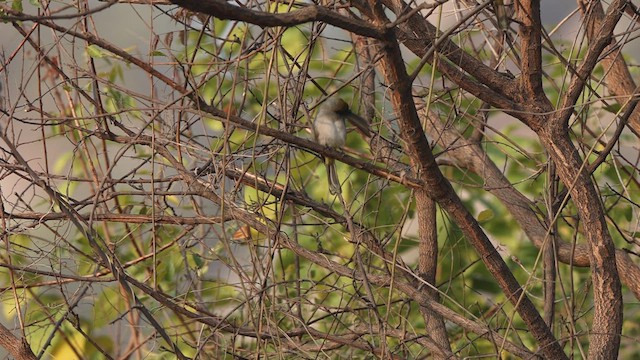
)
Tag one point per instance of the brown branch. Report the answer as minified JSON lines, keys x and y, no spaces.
{"x":223,"y":10}
{"x":440,"y":190}
{"x":607,"y":317}
{"x":599,"y":41}
{"x":572,"y":170}
{"x":617,"y":76}
{"x":121,"y":218}
{"x":428,"y":265}
{"x":412,"y":289}
{"x":462,"y":68}
{"x":470,"y":155}
{"x":530,"y":33}
{"x":19,"y":349}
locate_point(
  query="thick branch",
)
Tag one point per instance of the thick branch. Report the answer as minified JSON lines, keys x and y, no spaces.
{"x":471,"y":156}
{"x":607,"y":316}
{"x":428,"y":265}
{"x":607,"y":294}
{"x":464,"y":69}
{"x":20,"y":350}
{"x":441,"y":191}
{"x":223,"y":10}
{"x":531,"y":48}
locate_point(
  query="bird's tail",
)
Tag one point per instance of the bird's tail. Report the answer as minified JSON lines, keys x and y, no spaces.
{"x":332,"y":175}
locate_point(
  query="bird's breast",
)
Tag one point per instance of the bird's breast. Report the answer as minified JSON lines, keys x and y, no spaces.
{"x":330,"y":133}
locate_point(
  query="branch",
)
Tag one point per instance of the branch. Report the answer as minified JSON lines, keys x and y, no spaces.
{"x":120,"y":218}
{"x":412,"y":288}
{"x":91,"y":235}
{"x":599,"y":41}
{"x":617,"y":76}
{"x":19,"y":349}
{"x":225,"y":11}
{"x":531,"y":48}
{"x":418,"y":35}
{"x":471,"y":156}
{"x":423,"y":161}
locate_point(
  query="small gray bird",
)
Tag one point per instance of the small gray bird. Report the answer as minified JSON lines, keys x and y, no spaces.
{"x":329,"y":130}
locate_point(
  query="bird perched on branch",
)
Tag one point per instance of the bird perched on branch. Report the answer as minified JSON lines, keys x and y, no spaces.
{"x":329,"y":130}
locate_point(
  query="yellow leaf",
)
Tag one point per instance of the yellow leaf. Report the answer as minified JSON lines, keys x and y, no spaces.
{"x":64,"y":349}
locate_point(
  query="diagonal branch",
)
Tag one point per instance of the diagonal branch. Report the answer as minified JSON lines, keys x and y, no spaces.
{"x":464,"y":69}
{"x":470,"y":155}
{"x":617,"y":76}
{"x":599,"y":41}
{"x":441,"y":191}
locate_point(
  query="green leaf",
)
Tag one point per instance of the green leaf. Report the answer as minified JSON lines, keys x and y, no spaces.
{"x":485,"y":215}
{"x":63,"y":161}
{"x":95,"y":52}
{"x":628,"y":213}
{"x":634,"y":235}
{"x":613,"y":108}
{"x":16,"y":5}
{"x":408,"y":245}
{"x":197,"y":259}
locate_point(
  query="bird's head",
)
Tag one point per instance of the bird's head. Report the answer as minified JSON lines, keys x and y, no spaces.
{"x":336,"y":104}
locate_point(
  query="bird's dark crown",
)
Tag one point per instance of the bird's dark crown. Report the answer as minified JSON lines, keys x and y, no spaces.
{"x":338,"y":105}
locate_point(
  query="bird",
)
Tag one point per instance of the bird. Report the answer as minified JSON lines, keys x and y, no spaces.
{"x":329,"y":129}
